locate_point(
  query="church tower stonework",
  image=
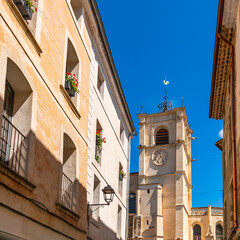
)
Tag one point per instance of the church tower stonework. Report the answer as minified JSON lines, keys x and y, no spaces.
{"x":164,"y":174}
{"x":161,"y":192}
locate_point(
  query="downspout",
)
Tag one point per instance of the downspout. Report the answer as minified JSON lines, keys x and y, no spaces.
{"x":233,"y":134}
{"x":128,"y":181}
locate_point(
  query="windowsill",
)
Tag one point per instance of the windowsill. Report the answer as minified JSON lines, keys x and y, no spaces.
{"x":24,"y":25}
{"x":72,"y":106}
{"x":16,"y":177}
{"x":69,"y":212}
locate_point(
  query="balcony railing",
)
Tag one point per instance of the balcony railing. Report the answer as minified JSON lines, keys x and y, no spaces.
{"x":197,"y":237}
{"x":68,"y":196}
{"x":13,"y":147}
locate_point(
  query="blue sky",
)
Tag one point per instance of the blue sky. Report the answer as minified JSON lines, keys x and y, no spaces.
{"x":152,"y":38}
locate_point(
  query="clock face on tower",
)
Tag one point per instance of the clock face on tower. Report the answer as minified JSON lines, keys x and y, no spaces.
{"x":160,"y":157}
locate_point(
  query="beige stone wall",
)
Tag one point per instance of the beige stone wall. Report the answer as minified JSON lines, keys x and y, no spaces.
{"x":205,"y":218}
{"x":164,"y":198}
{"x":227,"y":141}
{"x":51,"y":116}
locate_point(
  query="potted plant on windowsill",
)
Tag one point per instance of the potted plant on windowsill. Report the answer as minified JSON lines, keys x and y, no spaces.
{"x":26,"y":8}
{"x":99,"y":141}
{"x":122,"y":175}
{"x":71,"y":84}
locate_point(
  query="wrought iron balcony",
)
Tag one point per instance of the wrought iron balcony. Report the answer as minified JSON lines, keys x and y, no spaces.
{"x":68,"y":195}
{"x":13,"y":147}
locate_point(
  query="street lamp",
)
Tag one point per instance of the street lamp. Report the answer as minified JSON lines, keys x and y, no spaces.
{"x":108,"y":194}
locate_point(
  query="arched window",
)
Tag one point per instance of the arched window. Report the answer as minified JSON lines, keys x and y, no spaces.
{"x":16,"y":120}
{"x":162,"y":137}
{"x":196,"y":232}
{"x":72,"y":72}
{"x":219,"y":232}
{"x":132,"y":203}
{"x":68,"y":193}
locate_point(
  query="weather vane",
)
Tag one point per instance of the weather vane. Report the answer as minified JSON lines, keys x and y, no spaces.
{"x":165,"y":105}
{"x":182,"y":102}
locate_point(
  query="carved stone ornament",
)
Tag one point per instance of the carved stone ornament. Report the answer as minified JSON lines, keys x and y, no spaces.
{"x":160,"y":157}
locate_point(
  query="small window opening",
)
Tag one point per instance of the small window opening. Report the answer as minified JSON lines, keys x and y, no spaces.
{"x":162,"y":137}
{"x":78,"y":12}
{"x":72,"y":70}
{"x":99,"y":143}
{"x":96,"y":196}
{"x":100,"y":83}
{"x":120,"y":179}
{"x":68,"y":195}
{"x":148,"y":191}
{"x":122,"y":133}
{"x":119,"y":221}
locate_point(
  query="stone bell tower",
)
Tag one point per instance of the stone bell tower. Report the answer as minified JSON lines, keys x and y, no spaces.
{"x":164,"y":180}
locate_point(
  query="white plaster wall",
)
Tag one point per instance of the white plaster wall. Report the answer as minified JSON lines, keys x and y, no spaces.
{"x":106,"y":111}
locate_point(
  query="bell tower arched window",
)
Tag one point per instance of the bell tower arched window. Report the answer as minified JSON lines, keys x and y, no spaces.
{"x":196,"y":232}
{"x":162,"y":136}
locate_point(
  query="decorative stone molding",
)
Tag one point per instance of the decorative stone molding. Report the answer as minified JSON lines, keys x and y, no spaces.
{"x":62,"y":208}
{"x":16,"y":177}
{"x":72,"y":106}
{"x":204,"y":210}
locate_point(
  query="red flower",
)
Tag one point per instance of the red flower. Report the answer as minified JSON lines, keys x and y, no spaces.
{"x":35,"y":8}
{"x":74,"y":75}
{"x":104,"y":141}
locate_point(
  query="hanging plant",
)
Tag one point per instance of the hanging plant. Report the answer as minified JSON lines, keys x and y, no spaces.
{"x":71,"y":84}
{"x":99,"y":141}
{"x":122,"y":175}
{"x":29,"y":3}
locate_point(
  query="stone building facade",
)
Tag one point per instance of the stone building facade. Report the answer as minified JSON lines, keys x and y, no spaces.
{"x":225,"y":105}
{"x":161,"y":192}
{"x":110,"y":118}
{"x":46,"y":128}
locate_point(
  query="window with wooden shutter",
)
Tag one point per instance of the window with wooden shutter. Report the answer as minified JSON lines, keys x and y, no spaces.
{"x":162,"y":137}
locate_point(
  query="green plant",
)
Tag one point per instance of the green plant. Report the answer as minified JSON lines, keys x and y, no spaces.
{"x":99,"y":141}
{"x":73,"y":81}
{"x":122,"y":173}
{"x":97,"y":158}
{"x":30,"y":4}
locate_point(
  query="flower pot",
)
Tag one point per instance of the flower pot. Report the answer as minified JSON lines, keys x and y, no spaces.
{"x":69,"y":89}
{"x":120,"y":177}
{"x":24,"y":9}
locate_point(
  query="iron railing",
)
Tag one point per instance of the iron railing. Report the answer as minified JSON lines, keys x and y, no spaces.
{"x":68,"y":196}
{"x":197,"y":237}
{"x":13,"y":147}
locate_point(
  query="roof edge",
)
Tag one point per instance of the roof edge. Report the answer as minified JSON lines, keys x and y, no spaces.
{"x":218,"y":30}
{"x":103,"y":34}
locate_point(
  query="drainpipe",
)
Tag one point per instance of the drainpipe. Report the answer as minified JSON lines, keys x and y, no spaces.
{"x":233,"y":134}
{"x":128,"y":182}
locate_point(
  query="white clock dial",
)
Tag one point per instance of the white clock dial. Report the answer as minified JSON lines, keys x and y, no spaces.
{"x":160,"y":157}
